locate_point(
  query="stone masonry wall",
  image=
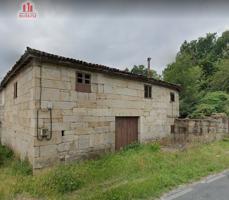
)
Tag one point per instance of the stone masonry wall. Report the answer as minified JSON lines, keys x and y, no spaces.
{"x":201,"y":130}
{"x":84,"y":123}
{"x":17,"y":115}
{"x":1,"y":117}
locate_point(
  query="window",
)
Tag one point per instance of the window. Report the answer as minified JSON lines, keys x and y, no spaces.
{"x":15,"y":90}
{"x":148,"y":91}
{"x":172,"y":97}
{"x":172,"y":128}
{"x":79,"y":78}
{"x":87,"y":78}
{"x":83,"y":78}
{"x":83,"y":82}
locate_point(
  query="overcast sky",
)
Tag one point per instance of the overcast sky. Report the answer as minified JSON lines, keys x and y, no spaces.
{"x":119,"y":34}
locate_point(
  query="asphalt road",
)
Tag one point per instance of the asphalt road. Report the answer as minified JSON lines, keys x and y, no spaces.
{"x":212,"y":188}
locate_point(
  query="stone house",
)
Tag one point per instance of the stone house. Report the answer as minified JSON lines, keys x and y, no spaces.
{"x":56,"y":109}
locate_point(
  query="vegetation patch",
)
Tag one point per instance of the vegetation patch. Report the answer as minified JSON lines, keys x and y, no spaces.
{"x":62,"y":180}
{"x":202,"y":69}
{"x":138,"y":172}
{"x":155,"y":147}
{"x":212,"y":102}
{"x":21,"y":167}
{"x":135,"y":145}
{"x":5,"y":154}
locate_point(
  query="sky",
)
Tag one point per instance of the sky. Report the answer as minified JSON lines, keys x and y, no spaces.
{"x":114,"y":33}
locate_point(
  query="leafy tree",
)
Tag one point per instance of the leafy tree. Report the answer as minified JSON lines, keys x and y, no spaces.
{"x":183,"y":73}
{"x":126,"y":70}
{"x":212,"y":102}
{"x":142,"y":70}
{"x":201,"y":66}
{"x":222,"y":45}
{"x":220,"y":80}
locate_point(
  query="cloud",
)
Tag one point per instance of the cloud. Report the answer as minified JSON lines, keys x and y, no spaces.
{"x":113,"y":34}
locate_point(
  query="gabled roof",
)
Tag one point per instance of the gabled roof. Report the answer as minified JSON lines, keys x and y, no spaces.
{"x":78,"y":64}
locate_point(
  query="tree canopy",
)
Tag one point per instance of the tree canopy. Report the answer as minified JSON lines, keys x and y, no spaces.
{"x":202,"y":68}
{"x":212,"y":102}
{"x":142,"y":70}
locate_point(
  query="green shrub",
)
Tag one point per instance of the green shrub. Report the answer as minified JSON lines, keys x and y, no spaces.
{"x":5,"y":154}
{"x":226,"y":139}
{"x":62,"y":180}
{"x":155,"y":147}
{"x":135,"y":145}
{"x":212,"y":102}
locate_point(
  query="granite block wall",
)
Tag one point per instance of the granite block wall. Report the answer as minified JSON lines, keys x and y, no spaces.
{"x":17,"y":114}
{"x":201,"y":130}
{"x":83,"y":124}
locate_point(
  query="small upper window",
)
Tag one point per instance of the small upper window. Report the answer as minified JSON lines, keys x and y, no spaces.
{"x":87,"y":79}
{"x":172,"y":97}
{"x":15,"y":90}
{"x":83,"y":82}
{"x":80,"y":78}
{"x":148,"y":91}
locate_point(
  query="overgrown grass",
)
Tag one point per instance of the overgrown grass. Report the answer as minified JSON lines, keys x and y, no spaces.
{"x":138,"y":172}
{"x":11,"y":170}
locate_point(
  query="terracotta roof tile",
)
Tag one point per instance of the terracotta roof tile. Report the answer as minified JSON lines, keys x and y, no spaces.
{"x":33,"y":53}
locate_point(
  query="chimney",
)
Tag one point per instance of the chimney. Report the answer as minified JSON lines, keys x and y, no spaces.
{"x":148,"y":70}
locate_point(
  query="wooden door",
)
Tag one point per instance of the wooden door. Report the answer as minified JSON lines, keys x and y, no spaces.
{"x":126,"y":131}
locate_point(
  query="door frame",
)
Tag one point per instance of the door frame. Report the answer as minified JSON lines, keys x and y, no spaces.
{"x":138,"y":128}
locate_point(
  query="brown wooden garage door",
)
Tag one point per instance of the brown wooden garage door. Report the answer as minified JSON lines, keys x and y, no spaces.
{"x":126,"y":131}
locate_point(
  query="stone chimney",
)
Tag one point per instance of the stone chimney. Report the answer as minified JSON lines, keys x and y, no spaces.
{"x":148,"y":70}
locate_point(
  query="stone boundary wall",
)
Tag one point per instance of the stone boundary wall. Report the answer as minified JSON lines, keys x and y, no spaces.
{"x":201,"y":130}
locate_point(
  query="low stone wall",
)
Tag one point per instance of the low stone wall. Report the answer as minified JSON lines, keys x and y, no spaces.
{"x":201,"y":130}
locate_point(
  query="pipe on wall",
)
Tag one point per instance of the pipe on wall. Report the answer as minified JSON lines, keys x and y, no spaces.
{"x":50,"y":135}
{"x":39,"y":137}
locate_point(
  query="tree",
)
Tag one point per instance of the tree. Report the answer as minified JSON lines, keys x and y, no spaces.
{"x":183,"y":73}
{"x":126,"y":70}
{"x":201,"y":66}
{"x":222,"y":45}
{"x":220,"y":80}
{"x":142,"y":70}
{"x":212,"y":102}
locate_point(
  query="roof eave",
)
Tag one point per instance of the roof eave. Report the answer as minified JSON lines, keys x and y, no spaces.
{"x":47,"y":57}
{"x":24,"y":59}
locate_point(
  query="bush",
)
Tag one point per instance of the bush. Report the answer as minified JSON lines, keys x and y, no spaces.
{"x":155,"y":147}
{"x":135,"y":145}
{"x":5,"y":154}
{"x":212,"y":102}
{"x":62,"y":180}
{"x":226,"y":139}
